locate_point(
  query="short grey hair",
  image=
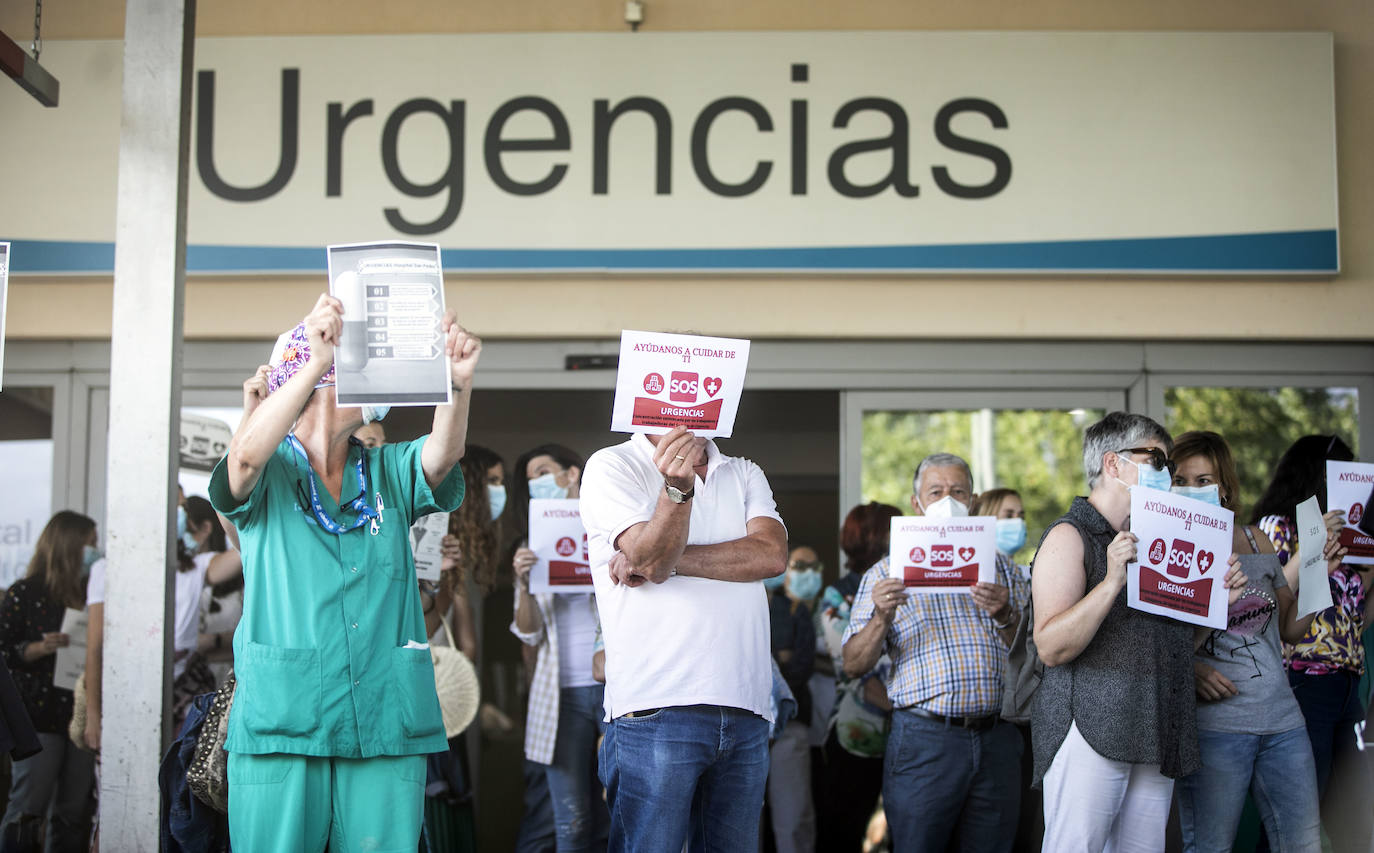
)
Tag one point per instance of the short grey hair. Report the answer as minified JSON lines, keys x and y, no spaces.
{"x":939,"y":460}
{"x":1118,"y":431}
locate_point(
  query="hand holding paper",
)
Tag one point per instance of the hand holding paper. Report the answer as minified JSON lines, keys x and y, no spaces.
{"x":463,"y":349}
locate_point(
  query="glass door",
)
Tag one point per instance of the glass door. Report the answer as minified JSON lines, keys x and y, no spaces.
{"x":1030,"y":441}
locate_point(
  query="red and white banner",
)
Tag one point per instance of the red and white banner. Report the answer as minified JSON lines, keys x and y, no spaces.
{"x":668,"y":380}
{"x":1349,"y":486}
{"x":943,"y":555}
{"x":560,"y":544}
{"x":1181,"y":557}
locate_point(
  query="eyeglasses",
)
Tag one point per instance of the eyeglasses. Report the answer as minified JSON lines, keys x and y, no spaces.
{"x":805,"y":566}
{"x":1158,"y":460}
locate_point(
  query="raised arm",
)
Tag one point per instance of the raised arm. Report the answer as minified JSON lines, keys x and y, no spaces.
{"x":448,"y":438}
{"x":264,"y":429}
{"x":1066,"y":619}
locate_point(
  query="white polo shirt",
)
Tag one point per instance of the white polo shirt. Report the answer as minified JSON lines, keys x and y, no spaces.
{"x":687,"y":641}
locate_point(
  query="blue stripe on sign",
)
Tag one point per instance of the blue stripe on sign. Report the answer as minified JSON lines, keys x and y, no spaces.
{"x":1274,"y":252}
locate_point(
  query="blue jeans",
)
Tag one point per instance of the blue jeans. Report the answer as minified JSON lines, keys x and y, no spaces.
{"x":693,"y":773}
{"x":1277,"y":769}
{"x":1331,"y":706}
{"x":947,"y":787}
{"x":579,"y":812}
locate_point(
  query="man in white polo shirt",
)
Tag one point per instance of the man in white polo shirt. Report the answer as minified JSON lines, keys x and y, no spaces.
{"x":680,"y":537}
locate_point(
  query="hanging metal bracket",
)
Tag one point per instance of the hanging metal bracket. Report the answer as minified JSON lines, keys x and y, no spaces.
{"x":17,"y":63}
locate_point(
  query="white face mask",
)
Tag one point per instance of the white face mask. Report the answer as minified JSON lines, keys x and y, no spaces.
{"x":945,"y":507}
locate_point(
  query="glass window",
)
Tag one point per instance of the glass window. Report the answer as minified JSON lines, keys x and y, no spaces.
{"x":1260,"y":423}
{"x":1037,"y":452}
{"x":26,"y":458}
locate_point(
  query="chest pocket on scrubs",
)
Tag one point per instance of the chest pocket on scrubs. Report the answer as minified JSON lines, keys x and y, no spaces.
{"x":279,"y":690}
{"x":415,"y":699}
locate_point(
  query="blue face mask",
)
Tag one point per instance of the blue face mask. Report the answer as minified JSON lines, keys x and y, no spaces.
{"x":1149,"y":477}
{"x":181,"y":520}
{"x":1011,"y":535}
{"x":546,"y":487}
{"x":496,"y":496}
{"x":90,"y":555}
{"x":1207,"y":494}
{"x":374,"y":413}
{"x":805,"y":584}
{"x":775,"y":583}
{"x":190,"y":542}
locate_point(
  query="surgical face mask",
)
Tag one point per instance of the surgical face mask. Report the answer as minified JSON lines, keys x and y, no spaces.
{"x":805,"y":584}
{"x":1011,"y":535}
{"x":945,"y":507}
{"x":775,"y":583}
{"x":546,"y":487}
{"x":190,"y":542}
{"x":1150,"y":477}
{"x":90,"y":555}
{"x":1207,"y":494}
{"x":374,"y":413}
{"x":181,"y":520}
{"x":496,"y":496}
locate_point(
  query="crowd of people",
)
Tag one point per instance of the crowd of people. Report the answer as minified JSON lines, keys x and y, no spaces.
{"x":710,"y":691}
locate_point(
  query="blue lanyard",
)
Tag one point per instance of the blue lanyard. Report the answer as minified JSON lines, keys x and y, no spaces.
{"x":359,"y":504}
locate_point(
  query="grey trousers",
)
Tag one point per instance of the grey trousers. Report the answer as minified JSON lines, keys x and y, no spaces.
{"x":57,"y":783}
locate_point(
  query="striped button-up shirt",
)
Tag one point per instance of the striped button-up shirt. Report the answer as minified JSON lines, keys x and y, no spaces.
{"x":947,"y":657}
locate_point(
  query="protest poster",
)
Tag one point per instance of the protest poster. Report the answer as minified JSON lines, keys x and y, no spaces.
{"x":943,"y":555}
{"x":668,"y":380}
{"x":1348,"y":488}
{"x":1314,"y":590}
{"x":4,"y":298}
{"x":426,"y":534}
{"x":559,"y":544}
{"x":1182,"y":550}
{"x":70,"y":660}
{"x":391,"y":349}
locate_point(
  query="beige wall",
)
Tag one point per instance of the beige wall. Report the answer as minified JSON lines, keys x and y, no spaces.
{"x":809,"y":307}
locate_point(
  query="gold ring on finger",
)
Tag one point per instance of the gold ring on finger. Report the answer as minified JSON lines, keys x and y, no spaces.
{"x":680,"y":457}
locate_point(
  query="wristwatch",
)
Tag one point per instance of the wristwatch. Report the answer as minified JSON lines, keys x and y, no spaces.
{"x":678,"y":496}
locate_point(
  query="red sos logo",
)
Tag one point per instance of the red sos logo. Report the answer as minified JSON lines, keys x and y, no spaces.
{"x":918,"y":554}
{"x":1356,"y":513}
{"x":941,"y":556}
{"x":565,"y":547}
{"x":1180,"y":559}
{"x":1157,"y":552}
{"x":653,"y":383}
{"x":683,"y":388}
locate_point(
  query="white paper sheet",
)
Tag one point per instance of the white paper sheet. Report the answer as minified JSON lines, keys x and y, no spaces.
{"x":943,"y":555}
{"x":559,"y":543}
{"x":391,"y":349}
{"x":71,"y":658}
{"x":425,"y":535}
{"x":1182,"y":556}
{"x":1348,"y":487}
{"x":1314,"y":590}
{"x":667,"y":380}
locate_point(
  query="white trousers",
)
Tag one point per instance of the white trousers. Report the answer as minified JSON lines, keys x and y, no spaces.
{"x":1096,"y":805}
{"x":789,"y":790}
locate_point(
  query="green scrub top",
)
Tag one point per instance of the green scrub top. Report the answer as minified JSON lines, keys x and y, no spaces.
{"x":331,"y":654}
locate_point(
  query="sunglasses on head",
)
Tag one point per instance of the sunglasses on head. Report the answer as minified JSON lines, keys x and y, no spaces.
{"x":1158,"y":459}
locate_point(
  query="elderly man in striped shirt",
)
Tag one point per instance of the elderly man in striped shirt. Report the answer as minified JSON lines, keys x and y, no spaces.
{"x":952,"y":768}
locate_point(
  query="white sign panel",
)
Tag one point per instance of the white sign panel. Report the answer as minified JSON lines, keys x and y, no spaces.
{"x":666,"y":380}
{"x":1314,"y":590}
{"x":943,"y":555}
{"x":391,"y":350}
{"x":1182,"y":554}
{"x":71,"y":658}
{"x":25,"y":503}
{"x":559,"y":544}
{"x":981,"y":152}
{"x":4,"y":298}
{"x":1349,"y":486}
{"x":426,"y":534}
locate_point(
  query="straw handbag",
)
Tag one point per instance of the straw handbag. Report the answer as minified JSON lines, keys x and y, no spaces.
{"x":455,"y":680}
